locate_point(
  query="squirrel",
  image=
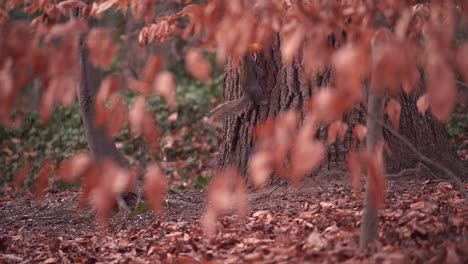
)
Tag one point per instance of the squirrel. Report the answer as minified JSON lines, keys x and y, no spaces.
{"x":253,"y":93}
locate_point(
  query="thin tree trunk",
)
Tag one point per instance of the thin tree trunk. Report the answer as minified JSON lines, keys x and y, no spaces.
{"x":100,"y":144}
{"x":370,"y":215}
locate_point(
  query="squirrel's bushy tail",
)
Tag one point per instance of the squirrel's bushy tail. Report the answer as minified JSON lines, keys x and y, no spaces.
{"x":227,"y":109}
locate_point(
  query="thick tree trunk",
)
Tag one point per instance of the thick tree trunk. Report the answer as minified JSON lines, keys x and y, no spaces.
{"x":286,"y":87}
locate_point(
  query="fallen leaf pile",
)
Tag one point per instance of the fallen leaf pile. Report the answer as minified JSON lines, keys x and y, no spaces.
{"x":422,"y":222}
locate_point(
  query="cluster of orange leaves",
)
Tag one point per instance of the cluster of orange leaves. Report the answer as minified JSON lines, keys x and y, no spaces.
{"x":423,"y":37}
{"x":316,"y":34}
{"x":49,"y":51}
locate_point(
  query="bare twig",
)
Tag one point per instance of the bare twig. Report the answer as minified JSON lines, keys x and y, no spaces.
{"x":458,"y":184}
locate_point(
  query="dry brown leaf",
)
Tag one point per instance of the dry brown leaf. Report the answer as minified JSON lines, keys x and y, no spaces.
{"x":115,"y":178}
{"x":197,"y":65}
{"x":65,"y":90}
{"x":108,"y":87}
{"x":441,"y":87}
{"x":353,"y":163}
{"x":104,"y":185}
{"x":47,"y":105}
{"x":337,"y":128}
{"x":152,"y":67}
{"x":307,"y":155}
{"x":42,"y":179}
{"x":360,"y":132}
{"x":323,"y":105}
{"x":401,"y":27}
{"x":20,"y":176}
{"x":164,"y":84}
{"x":136,"y":115}
{"x":225,"y":191}
{"x":393,"y":110}
{"x":260,"y":168}
{"x":423,"y":103}
{"x":155,"y":186}
{"x":118,"y":112}
{"x":292,"y":36}
{"x":74,"y":167}
{"x":102,"y":49}
{"x":151,"y":132}
{"x":376,"y":173}
{"x":351,"y":65}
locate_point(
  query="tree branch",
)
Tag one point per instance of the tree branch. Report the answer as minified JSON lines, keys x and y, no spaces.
{"x":455,"y":180}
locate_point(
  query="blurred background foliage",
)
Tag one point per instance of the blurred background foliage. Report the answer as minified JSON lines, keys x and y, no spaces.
{"x":188,"y":145}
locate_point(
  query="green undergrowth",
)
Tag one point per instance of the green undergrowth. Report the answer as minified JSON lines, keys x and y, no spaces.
{"x":457,"y":128}
{"x":63,"y":136}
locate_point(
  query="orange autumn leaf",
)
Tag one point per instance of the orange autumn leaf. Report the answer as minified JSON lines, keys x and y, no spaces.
{"x":155,"y":186}
{"x":376,"y":173}
{"x":353,"y":164}
{"x":260,"y":168}
{"x":423,"y":103}
{"x":102,"y":49}
{"x":393,"y":110}
{"x":117,"y":110}
{"x":108,"y":87}
{"x":225,"y":191}
{"x":292,"y":35}
{"x":137,"y":115}
{"x":441,"y":87}
{"x":74,"y":167}
{"x":153,"y":65}
{"x":142,"y":123}
{"x":337,"y":128}
{"x":307,"y":153}
{"x":360,"y":132}
{"x":197,"y":65}
{"x":164,"y":85}
{"x":42,"y":179}
{"x":151,"y":132}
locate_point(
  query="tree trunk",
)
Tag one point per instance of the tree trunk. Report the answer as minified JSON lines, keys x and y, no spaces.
{"x":286,"y":87}
{"x":370,"y":219}
{"x":100,"y":145}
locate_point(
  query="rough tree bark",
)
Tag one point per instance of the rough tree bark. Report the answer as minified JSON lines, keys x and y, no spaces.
{"x":286,"y":87}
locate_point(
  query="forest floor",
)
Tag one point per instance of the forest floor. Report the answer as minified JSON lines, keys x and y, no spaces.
{"x":423,"y":221}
